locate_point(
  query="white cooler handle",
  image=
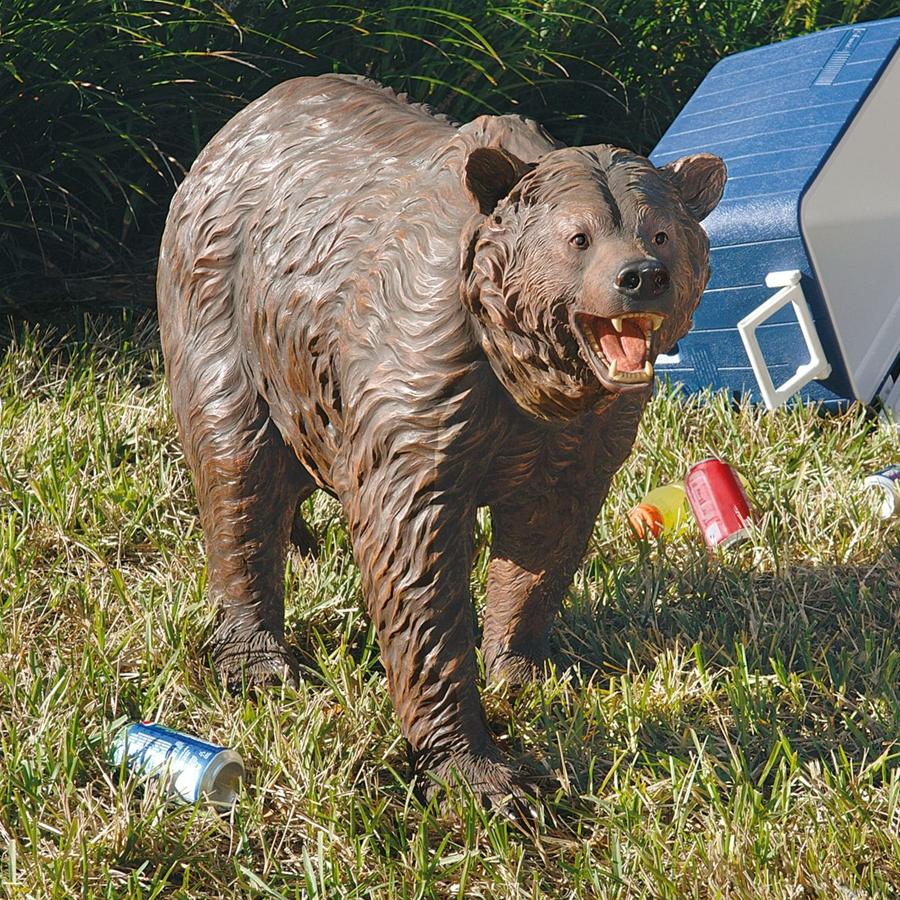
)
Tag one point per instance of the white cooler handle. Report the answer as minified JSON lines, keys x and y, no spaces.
{"x":817,"y":367}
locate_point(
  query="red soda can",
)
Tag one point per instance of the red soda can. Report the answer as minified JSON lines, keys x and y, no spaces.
{"x":719,"y":502}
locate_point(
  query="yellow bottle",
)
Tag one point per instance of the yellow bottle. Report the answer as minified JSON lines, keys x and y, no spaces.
{"x":663,"y":509}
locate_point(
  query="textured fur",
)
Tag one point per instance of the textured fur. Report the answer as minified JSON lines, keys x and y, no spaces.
{"x":356,"y":295}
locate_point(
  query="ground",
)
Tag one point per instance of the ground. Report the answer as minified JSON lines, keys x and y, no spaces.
{"x":721,"y":726}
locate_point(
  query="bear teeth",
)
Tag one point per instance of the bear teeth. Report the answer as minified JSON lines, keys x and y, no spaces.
{"x":648,"y":323}
{"x":643,"y":375}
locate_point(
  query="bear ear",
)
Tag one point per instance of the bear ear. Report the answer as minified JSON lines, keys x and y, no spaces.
{"x":700,"y":180}
{"x":490,"y":174}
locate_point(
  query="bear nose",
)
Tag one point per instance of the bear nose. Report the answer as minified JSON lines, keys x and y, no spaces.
{"x":643,"y":279}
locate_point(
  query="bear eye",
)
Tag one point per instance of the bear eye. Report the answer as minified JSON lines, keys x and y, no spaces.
{"x":580,"y":240}
{"x":660,"y":237}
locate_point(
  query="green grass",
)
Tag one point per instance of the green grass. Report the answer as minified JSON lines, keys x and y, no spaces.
{"x":723,"y":726}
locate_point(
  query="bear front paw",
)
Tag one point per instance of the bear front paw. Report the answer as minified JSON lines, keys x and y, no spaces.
{"x":252,"y":660}
{"x":516,"y":669}
{"x":490,"y":778}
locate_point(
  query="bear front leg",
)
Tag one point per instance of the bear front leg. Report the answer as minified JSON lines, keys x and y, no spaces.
{"x":412,"y":539}
{"x":538,"y":544}
{"x":540,"y":534}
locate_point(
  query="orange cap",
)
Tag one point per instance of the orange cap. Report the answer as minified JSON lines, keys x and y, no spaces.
{"x":644,"y":518}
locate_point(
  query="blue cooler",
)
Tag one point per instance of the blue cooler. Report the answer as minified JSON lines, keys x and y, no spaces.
{"x":804,"y":299}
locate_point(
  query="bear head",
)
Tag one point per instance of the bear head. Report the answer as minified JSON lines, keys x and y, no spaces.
{"x":582,"y":268}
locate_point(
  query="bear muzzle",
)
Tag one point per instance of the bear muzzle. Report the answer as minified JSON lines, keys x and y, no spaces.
{"x":619,"y":349}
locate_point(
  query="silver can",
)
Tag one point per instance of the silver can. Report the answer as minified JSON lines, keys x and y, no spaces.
{"x":190,"y":769}
{"x":887,"y":484}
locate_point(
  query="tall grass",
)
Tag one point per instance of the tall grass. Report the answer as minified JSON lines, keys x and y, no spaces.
{"x":105,"y":103}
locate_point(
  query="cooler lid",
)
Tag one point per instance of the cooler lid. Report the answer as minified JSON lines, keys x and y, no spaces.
{"x":774,"y":114}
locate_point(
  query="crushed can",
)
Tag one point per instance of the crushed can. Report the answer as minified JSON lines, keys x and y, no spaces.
{"x":190,"y":769}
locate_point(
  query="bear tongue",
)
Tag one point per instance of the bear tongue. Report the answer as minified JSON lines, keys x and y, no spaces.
{"x":628,"y":348}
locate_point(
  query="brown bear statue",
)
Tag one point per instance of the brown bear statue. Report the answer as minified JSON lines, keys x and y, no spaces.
{"x":420,"y":319}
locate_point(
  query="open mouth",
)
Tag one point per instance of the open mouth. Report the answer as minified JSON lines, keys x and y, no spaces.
{"x":618,"y":348}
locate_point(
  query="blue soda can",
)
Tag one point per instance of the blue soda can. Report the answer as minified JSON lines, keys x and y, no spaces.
{"x":191,"y":769}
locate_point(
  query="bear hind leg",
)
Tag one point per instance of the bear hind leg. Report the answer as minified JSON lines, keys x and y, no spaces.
{"x":302,"y":536}
{"x":248,"y":484}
